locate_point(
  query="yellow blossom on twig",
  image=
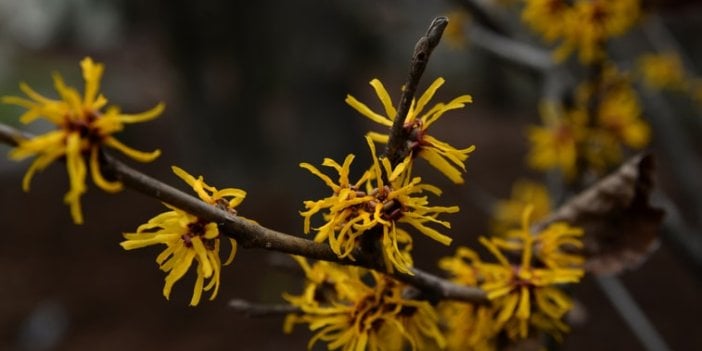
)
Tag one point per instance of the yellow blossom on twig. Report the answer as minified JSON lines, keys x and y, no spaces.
{"x":82,"y":127}
{"x":354,"y":309}
{"x":189,"y":238}
{"x":616,"y":121}
{"x":555,"y":145}
{"x":372,"y":208}
{"x":442,"y":156}
{"x":526,"y":293}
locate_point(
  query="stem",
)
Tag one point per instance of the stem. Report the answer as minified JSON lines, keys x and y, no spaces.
{"x":251,"y":235}
{"x":397,"y":148}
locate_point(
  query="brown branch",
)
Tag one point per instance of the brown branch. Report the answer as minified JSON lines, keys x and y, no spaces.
{"x":251,"y":309}
{"x":397,"y":148}
{"x":11,"y":136}
{"x":251,"y":235}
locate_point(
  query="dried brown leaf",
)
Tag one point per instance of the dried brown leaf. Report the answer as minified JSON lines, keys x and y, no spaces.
{"x":621,"y":227}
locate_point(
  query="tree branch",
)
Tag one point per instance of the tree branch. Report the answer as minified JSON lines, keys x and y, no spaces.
{"x":397,"y":148}
{"x":252,"y":235}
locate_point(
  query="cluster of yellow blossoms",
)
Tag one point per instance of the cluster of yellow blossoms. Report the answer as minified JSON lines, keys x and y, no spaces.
{"x":590,"y":135}
{"x":354,"y":309}
{"x":371,"y":210}
{"x":582,"y":25}
{"x":82,"y":127}
{"x":189,"y":238}
{"x":524,"y":294}
{"x":366,"y":213}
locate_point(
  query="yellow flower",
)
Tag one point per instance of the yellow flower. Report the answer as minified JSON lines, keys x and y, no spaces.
{"x":442,"y":156}
{"x":662,"y":71}
{"x":617,"y":120}
{"x":550,"y":18}
{"x":189,"y":238}
{"x":370,"y":209}
{"x":592,"y":23}
{"x":508,"y":213}
{"x":524,"y":294}
{"x":353,"y":309}
{"x":520,"y":292}
{"x":555,"y":145}
{"x":82,"y":127}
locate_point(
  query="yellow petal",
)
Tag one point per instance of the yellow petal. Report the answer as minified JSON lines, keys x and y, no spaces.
{"x":312,"y":169}
{"x":137,"y":155}
{"x":384,"y":98}
{"x":232,"y":253}
{"x":438,"y":162}
{"x":428,"y":94}
{"x":34,"y":95}
{"x":144,"y":116}
{"x":104,"y":184}
{"x":92,"y":73}
{"x":197,"y":290}
{"x":524,"y":307}
{"x":201,"y":252}
{"x":70,"y":96}
{"x":366,"y":111}
{"x":430,"y":232}
{"x":378,"y":137}
{"x":180,"y":268}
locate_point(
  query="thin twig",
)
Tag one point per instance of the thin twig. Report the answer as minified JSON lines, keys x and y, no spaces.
{"x":624,"y":303}
{"x":397,"y":148}
{"x":251,"y":309}
{"x":511,"y":50}
{"x":252,"y":235}
{"x":11,"y":136}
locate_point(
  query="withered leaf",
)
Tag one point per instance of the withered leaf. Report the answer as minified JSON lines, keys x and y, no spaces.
{"x":621,"y":228}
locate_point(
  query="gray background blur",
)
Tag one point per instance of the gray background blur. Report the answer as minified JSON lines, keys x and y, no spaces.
{"x":252,"y":89}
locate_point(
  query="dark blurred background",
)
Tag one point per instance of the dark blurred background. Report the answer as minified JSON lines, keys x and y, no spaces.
{"x":252,"y":89}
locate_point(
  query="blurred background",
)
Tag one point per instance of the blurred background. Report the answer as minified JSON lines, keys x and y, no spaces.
{"x":252,"y":89}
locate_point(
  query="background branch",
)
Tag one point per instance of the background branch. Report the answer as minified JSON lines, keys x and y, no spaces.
{"x":250,"y":309}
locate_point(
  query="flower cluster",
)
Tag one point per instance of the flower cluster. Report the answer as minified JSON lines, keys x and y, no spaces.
{"x":354,"y":309}
{"x":582,"y":25}
{"x":189,"y":238}
{"x":82,"y":128}
{"x":370,"y":210}
{"x":591,"y":134}
{"x":525,"y":295}
{"x":442,"y":156}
